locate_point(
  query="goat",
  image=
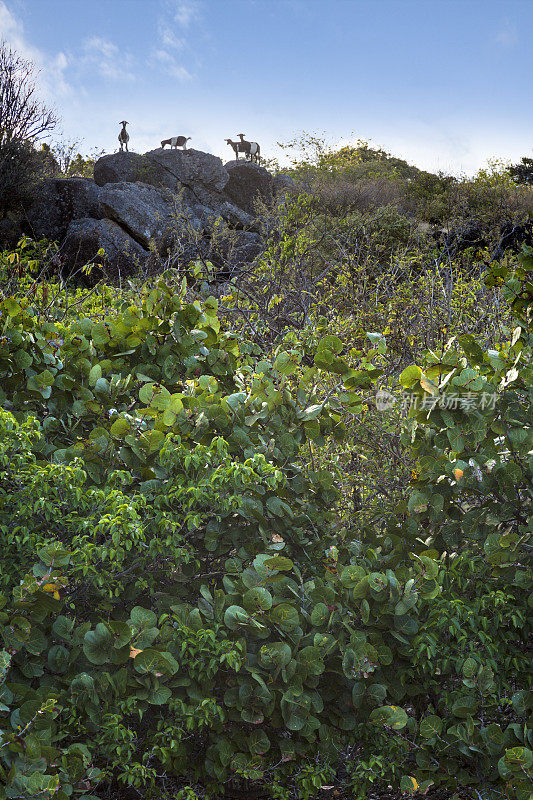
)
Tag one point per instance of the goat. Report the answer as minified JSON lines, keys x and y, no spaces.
{"x":251,"y":149}
{"x":237,"y":147}
{"x":175,"y":142}
{"x":123,"y":137}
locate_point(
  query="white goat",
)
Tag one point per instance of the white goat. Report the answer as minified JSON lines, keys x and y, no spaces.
{"x":123,"y":137}
{"x":251,"y":149}
{"x":175,"y":142}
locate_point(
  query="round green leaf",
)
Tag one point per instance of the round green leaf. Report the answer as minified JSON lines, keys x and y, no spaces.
{"x":351,"y":575}
{"x":320,"y":614}
{"x":275,"y":655}
{"x":285,"y":616}
{"x":391,"y":716}
{"x":258,"y":599}
{"x":97,"y":644}
{"x":431,"y":726}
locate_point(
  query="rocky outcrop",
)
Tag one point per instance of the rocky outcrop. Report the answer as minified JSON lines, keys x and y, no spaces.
{"x":283,"y":184}
{"x":172,"y":169}
{"x":57,"y":201}
{"x":196,"y":179}
{"x":86,"y":236}
{"x":245,"y":248}
{"x":171,"y":198}
{"x":142,"y":211}
{"x":227,"y":252}
{"x":118,"y":168}
{"x":247,"y":184}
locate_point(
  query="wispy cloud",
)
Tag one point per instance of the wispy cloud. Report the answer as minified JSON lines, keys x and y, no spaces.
{"x":185,"y":12}
{"x":107,"y":60}
{"x":171,"y":65}
{"x":173,"y":25}
{"x":168,"y":37}
{"x":52,"y":68}
{"x":507,"y":36}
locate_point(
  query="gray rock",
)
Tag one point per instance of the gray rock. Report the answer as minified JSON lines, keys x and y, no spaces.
{"x":173,"y":198}
{"x":226,"y":250}
{"x":191,"y":167}
{"x":147,"y":212}
{"x":142,"y":210}
{"x":283,"y":184}
{"x":57,"y":201}
{"x":117,"y":168}
{"x":123,"y":255}
{"x":247,"y":183}
{"x":246,"y":248}
{"x":172,"y":169}
{"x":218,"y":205}
{"x":10,"y":233}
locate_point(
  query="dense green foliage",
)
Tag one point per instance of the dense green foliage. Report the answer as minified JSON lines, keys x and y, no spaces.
{"x":359,"y":177}
{"x":523,"y":172}
{"x":278,"y":538}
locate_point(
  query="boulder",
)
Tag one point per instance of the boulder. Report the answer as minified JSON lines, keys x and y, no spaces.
{"x":246,"y":248}
{"x":247,"y":183}
{"x":171,"y":169}
{"x":197,"y":178}
{"x":191,"y":167}
{"x":143,"y":211}
{"x":171,"y":197}
{"x":56,"y":202}
{"x":123,"y":255}
{"x":209,"y":205}
{"x":118,"y":168}
{"x":283,"y":184}
{"x":10,"y":233}
{"x":227,"y":250}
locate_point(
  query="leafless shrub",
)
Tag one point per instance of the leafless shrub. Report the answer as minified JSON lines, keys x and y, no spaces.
{"x":23,"y":120}
{"x":338,"y":195}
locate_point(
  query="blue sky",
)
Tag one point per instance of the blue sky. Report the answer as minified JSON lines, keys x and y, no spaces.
{"x":445,"y":84}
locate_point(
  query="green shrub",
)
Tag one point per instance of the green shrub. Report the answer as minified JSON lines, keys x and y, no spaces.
{"x":182,"y":606}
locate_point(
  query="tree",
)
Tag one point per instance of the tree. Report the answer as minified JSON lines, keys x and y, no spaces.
{"x":23,"y":120}
{"x":522,"y":173}
{"x":70,"y":163}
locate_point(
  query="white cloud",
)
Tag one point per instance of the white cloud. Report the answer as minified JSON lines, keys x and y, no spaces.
{"x":178,"y":14}
{"x":171,"y":65}
{"x":507,"y":36}
{"x":168,"y":38}
{"x":106,"y":58}
{"x":51,"y":67}
{"x":185,"y":12}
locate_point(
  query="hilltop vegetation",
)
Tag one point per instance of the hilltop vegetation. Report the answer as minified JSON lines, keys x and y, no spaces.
{"x":267,"y":530}
{"x":226,"y":563}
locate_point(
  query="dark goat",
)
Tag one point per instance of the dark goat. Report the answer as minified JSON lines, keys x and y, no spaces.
{"x":238,"y":147}
{"x":251,"y":149}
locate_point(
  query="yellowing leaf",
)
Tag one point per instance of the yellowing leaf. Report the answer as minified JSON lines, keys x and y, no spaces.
{"x":429,"y":386}
{"x":458,"y":473}
{"x":408,"y":785}
{"x":134,"y":652}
